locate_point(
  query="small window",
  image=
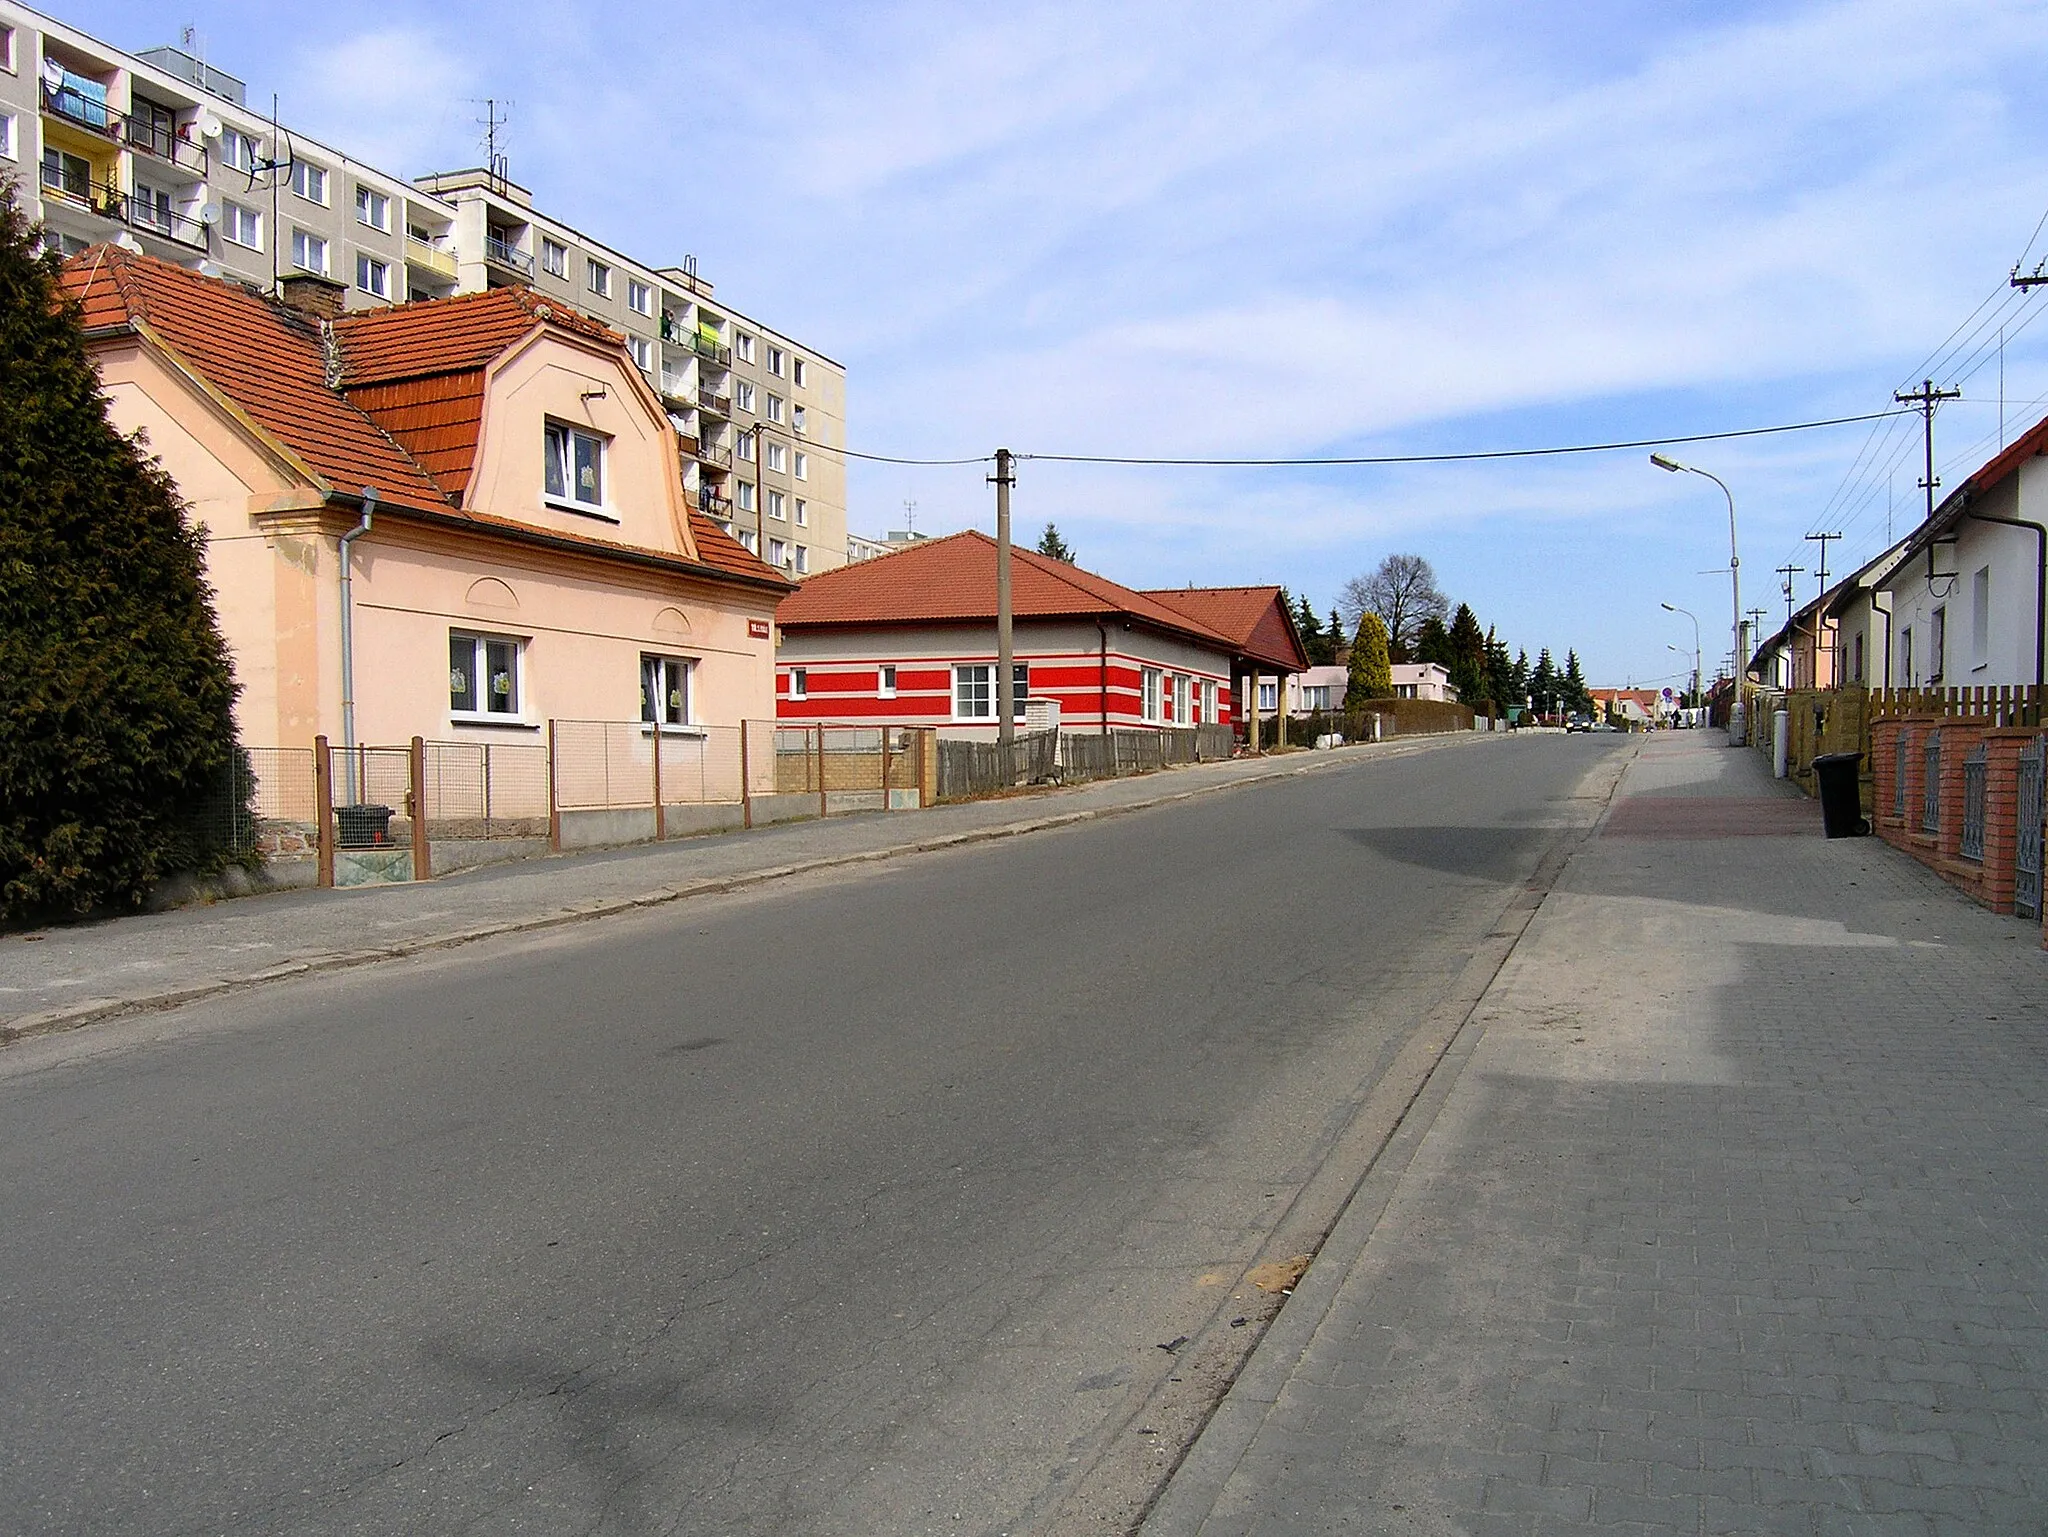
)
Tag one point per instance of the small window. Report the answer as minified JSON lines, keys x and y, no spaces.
{"x":1269,"y":694}
{"x":1937,"y":645}
{"x":797,"y":372}
{"x":775,"y":361}
{"x":799,"y":683}
{"x":778,"y":457}
{"x":778,"y":552}
{"x":1980,"y":616}
{"x":309,"y":252}
{"x":803,"y":511}
{"x":803,"y":465}
{"x":373,"y":208}
{"x":1906,"y":675}
{"x":639,"y":297}
{"x":7,"y":148}
{"x":743,"y":495}
{"x":743,"y":395}
{"x":743,"y":346}
{"x":885,"y":682}
{"x":743,"y":445}
{"x":665,"y":690}
{"x":243,"y":226}
{"x":775,"y":504}
{"x":483,"y":675}
{"x":971,"y":696}
{"x":643,"y":352}
{"x":575,"y":468}
{"x":7,"y":49}
{"x":796,"y":418}
{"x":1181,"y":689}
{"x":1150,"y":678}
{"x":600,"y":278}
{"x":750,"y":541}
{"x":774,"y":408}
{"x":309,"y":182}
{"x":554,"y":258}
{"x":803,"y":559}
{"x":373,"y":276}
{"x":238,"y":151}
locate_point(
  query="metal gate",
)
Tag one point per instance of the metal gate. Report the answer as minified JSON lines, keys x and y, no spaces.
{"x":2026,"y":877}
{"x":1899,"y":778}
{"x":1930,"y":784}
{"x":1974,"y":763}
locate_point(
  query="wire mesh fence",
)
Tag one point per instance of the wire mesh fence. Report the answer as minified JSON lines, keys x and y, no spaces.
{"x":486,"y":790}
{"x":371,"y":788}
{"x":846,"y":760}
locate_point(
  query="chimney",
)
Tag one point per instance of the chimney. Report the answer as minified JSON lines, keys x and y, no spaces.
{"x":315,"y":297}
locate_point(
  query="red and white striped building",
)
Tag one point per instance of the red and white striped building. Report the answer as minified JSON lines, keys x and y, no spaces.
{"x":909,"y":639}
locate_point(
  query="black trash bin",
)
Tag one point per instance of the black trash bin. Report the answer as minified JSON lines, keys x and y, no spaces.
{"x":365,"y":827}
{"x":1841,"y":806}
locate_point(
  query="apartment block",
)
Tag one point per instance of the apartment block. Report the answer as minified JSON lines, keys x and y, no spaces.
{"x":161,"y":152}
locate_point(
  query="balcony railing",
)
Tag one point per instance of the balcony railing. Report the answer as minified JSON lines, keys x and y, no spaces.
{"x":505,"y":254}
{"x":712,"y":454}
{"x":710,"y":350}
{"x":711,"y":502}
{"x":687,"y":444}
{"x":429,"y":257}
{"x":147,"y":215}
{"x":83,"y":111}
{"x":109,"y":202}
{"x":717,"y":405}
{"x":161,"y":142}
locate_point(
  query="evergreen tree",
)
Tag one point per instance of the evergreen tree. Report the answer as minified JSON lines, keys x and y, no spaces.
{"x":1468,"y":658}
{"x":1572,"y":687}
{"x":1053,"y":547}
{"x":1543,"y":683}
{"x":1500,"y":674}
{"x":116,"y":692}
{"x":1371,"y":676}
{"x":1433,"y":643}
{"x":1519,"y":686}
{"x":1335,"y":630}
{"x":1319,"y":647}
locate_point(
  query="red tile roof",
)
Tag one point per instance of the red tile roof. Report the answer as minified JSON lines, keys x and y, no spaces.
{"x":953,"y":580}
{"x":407,"y":425}
{"x":262,"y":357}
{"x":1255,"y":619}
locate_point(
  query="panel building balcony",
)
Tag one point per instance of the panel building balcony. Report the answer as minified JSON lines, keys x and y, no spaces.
{"x":429,"y":257}
{"x":712,"y":454}
{"x":66,"y":184}
{"x":711,"y":502}
{"x":162,"y":143}
{"x":687,"y":444}
{"x":503,"y":253}
{"x":716,"y":404}
{"x":80,"y":105}
{"x":153,"y":218}
{"x":712,"y":351}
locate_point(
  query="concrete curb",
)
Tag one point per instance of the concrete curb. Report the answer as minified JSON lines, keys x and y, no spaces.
{"x":1446,"y":1042}
{"x":95,"y":1010}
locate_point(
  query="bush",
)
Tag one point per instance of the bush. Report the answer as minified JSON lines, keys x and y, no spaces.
{"x":117,"y":747}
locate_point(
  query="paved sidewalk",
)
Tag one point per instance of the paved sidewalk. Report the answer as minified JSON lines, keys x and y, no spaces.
{"x":1726,"y":1212}
{"x":61,"y":977}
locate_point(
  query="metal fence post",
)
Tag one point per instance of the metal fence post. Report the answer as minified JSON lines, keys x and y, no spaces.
{"x":746,"y":781}
{"x":323,"y":808}
{"x":885,"y":768}
{"x":822,"y":812}
{"x":416,"y":808}
{"x":554,"y":794}
{"x":660,"y":811}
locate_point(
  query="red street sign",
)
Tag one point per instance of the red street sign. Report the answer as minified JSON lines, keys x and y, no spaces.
{"x":757,"y":629}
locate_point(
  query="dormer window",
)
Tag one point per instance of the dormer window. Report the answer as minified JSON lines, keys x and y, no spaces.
{"x":575,"y":469}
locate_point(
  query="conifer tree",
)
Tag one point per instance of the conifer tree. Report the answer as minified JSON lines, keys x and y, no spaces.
{"x":1500,"y":674}
{"x":1572,"y":686}
{"x":1543,"y":683}
{"x":1371,"y":675}
{"x":1051,"y":545}
{"x":1433,"y":643}
{"x":116,"y":693}
{"x":1467,"y":665}
{"x":1318,"y":646}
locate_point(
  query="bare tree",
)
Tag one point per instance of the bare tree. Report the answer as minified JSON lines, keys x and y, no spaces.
{"x":1403,"y":592}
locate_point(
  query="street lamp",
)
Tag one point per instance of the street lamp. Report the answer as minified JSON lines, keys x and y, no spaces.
{"x":1673,"y":608}
{"x":1735,"y":709}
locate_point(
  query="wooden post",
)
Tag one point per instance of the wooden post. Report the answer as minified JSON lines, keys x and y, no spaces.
{"x":885,"y":769}
{"x":323,"y":808}
{"x":660,"y":811}
{"x":554,"y":795}
{"x":822,"y":812}
{"x":746,"y":782}
{"x":416,"y":808}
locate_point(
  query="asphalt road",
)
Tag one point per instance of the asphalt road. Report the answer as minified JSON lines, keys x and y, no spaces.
{"x":852,"y":1205}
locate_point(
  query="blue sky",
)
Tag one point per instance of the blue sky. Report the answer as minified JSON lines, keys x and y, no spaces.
{"x":1296,"y":229}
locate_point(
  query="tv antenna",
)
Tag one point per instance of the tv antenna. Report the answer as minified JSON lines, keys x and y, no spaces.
{"x":909,"y":515}
{"x":497,"y":116}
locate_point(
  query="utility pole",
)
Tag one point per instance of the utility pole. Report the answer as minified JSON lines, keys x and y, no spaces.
{"x":1788,"y":572}
{"x":1006,"y":727}
{"x":1926,"y":398}
{"x":1817,"y":616}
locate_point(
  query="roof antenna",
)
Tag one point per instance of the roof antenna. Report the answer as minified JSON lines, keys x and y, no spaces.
{"x":909,"y":515}
{"x":498,"y":166}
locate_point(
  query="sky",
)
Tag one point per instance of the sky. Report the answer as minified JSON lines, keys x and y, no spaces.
{"x":1299,"y":230}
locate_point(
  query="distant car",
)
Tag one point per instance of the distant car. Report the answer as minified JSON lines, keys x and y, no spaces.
{"x":1578,"y":723}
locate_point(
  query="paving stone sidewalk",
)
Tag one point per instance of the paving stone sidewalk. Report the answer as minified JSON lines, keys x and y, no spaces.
{"x":1726,"y":1213}
{"x":63,"y":976}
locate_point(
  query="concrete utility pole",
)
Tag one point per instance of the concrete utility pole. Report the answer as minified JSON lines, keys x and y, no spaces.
{"x":1818,"y":617}
{"x":1006,"y":726}
{"x":1926,"y":398}
{"x":1791,"y":602}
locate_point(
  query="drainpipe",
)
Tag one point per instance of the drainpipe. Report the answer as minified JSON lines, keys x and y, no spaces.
{"x":348,"y":643}
{"x":1874,"y":594}
{"x":2040,"y":579}
{"x":1102,"y":643}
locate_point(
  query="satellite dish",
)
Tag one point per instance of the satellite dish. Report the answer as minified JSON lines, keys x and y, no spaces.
{"x":53,"y":74}
{"x":128,"y":242}
{"x":209,"y":213}
{"x":209,"y":126}
{"x":212,"y":269}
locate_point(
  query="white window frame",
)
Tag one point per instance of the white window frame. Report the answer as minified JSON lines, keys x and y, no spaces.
{"x":885,"y":681}
{"x":749,"y":539}
{"x":799,"y":683}
{"x":599,"y":276}
{"x":1150,"y":682}
{"x":743,"y":495}
{"x":778,"y":457}
{"x":801,"y":468}
{"x":803,"y":559}
{"x":775,"y":505}
{"x":554,"y":258}
{"x":304,"y":241}
{"x":368,"y":203}
{"x":1269,"y":694}
{"x":796,"y":419}
{"x":643,"y":353}
{"x":309,"y":181}
{"x":1980,"y":618}
{"x":1209,"y":702}
{"x":778,"y":551}
{"x":7,"y":137}
{"x":972,"y":691}
{"x":1183,"y":703}
{"x":774,"y":411}
{"x":803,"y":512}
{"x":373,"y":276}
{"x":566,"y":462}
{"x":797,"y":372}
{"x":775,"y":360}
{"x":743,"y":444}
{"x":239,"y":151}
{"x":7,"y":49}
{"x":743,"y":346}
{"x":1937,"y":643}
{"x":742,"y":395}
{"x":483,"y":646}
{"x":249,"y":234}
{"x":639,"y":297}
{"x":660,"y":708}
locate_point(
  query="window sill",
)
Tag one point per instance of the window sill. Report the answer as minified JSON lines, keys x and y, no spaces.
{"x":647,"y":729}
{"x":560,"y":505}
{"x":493,"y":722}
